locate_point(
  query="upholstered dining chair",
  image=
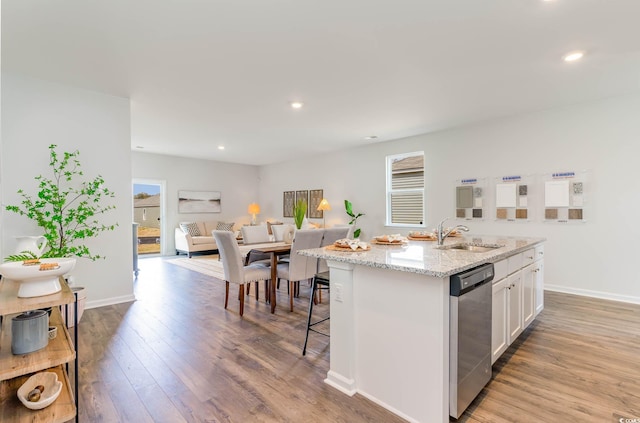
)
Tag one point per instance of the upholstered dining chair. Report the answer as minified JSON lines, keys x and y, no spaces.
{"x":280,"y":230}
{"x":234,"y":270}
{"x":299,"y":267}
{"x":331,"y":235}
{"x":255,"y":234}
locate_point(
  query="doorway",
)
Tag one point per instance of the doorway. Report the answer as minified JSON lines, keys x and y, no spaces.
{"x":148,"y":211}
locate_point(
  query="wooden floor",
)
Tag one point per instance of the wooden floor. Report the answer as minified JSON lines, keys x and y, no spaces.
{"x":175,"y":355}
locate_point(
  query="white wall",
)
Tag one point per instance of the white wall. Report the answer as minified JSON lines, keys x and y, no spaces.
{"x":238,"y":185}
{"x":594,"y":258}
{"x":36,"y":114}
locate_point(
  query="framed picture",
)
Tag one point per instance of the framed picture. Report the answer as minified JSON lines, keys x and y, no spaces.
{"x":315,"y":197}
{"x":288,"y":199}
{"x":199,"y":202}
{"x":303,"y":195}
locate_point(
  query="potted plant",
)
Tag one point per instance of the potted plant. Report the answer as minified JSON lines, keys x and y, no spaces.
{"x":299,"y":212}
{"x":66,"y":207}
{"x":354,"y":217}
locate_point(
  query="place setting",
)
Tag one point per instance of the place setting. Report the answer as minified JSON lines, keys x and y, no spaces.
{"x":349,"y":245}
{"x":422,"y":236}
{"x":393,"y":239}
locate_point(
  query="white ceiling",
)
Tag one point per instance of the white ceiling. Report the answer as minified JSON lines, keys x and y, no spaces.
{"x":203,"y":73}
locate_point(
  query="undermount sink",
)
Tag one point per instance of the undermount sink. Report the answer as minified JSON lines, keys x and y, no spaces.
{"x":474,"y":248}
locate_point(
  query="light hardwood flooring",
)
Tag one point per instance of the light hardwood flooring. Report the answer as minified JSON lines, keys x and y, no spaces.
{"x":175,"y":355}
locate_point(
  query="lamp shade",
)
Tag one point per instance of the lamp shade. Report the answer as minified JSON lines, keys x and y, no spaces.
{"x":253,"y":208}
{"x":324,"y":205}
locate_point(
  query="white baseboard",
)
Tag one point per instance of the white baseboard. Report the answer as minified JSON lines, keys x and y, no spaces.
{"x":594,"y":294}
{"x":342,"y":384}
{"x":110,"y":301}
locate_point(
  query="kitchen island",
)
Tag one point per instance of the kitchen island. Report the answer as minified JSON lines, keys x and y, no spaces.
{"x":390,"y":318}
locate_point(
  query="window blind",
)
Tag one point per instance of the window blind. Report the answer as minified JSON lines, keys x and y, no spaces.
{"x":406,"y":190}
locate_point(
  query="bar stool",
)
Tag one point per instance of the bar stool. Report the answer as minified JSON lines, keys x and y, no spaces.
{"x":320,"y":282}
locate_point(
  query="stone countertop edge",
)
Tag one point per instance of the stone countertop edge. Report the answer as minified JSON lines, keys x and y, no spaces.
{"x":435,"y":262}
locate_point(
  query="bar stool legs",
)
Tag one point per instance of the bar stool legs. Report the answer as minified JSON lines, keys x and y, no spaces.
{"x":320,"y":281}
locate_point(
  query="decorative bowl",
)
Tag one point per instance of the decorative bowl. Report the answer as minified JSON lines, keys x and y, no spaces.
{"x":36,"y":282}
{"x":52,"y":389}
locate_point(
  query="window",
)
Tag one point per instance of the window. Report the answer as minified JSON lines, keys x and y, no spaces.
{"x":405,"y":189}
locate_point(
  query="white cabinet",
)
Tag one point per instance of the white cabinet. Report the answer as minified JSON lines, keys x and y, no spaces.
{"x":539,"y":280}
{"x":528,"y":293}
{"x":518,"y":297}
{"x":514,"y":289}
{"x":506,"y":318}
{"x":499,"y":319}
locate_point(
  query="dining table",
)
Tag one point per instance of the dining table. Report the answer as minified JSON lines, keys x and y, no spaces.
{"x":275,"y":249}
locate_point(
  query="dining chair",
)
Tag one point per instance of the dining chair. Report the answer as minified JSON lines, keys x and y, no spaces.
{"x":255,"y":234}
{"x":331,"y":235}
{"x":280,"y":230}
{"x":299,"y":267}
{"x":280,"y":234}
{"x":234,"y":269}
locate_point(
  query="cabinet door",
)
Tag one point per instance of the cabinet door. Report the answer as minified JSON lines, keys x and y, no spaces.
{"x":514,"y":287}
{"x":499,"y":319}
{"x":528,"y":293}
{"x":539,"y":286}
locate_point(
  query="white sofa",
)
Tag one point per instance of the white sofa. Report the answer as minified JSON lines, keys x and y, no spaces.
{"x":189,"y":244}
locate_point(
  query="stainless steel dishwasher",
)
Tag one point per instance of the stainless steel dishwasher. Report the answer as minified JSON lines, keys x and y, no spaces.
{"x":469,"y":336}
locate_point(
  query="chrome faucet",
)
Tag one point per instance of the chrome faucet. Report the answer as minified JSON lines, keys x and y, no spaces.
{"x":440,"y":230}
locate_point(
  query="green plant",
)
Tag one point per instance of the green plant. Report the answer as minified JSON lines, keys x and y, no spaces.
{"x":299,"y":211}
{"x":354,"y":217}
{"x":66,"y":209}
{"x":22,"y":256}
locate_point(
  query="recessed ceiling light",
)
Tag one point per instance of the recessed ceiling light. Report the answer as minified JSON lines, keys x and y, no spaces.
{"x":371,"y":137}
{"x":573,"y":56}
{"x":296,"y":105}
{"x":221,"y":147}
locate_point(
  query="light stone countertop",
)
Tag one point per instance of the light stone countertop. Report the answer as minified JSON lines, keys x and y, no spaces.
{"x":425,"y":258}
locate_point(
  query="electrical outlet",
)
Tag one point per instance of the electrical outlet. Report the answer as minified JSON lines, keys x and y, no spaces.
{"x":337,"y":290}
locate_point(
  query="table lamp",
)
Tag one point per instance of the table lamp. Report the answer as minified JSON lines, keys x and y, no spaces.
{"x":324,"y":206}
{"x":253,"y":209}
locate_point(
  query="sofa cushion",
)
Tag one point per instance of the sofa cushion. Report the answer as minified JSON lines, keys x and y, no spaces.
{"x":199,"y":240}
{"x":222,"y":226}
{"x":190,"y":228}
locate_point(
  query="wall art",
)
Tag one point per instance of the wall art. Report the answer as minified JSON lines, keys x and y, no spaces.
{"x":199,"y":202}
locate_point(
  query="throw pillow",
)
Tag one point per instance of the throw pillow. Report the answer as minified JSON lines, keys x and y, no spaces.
{"x":190,"y":228}
{"x":225,"y":226}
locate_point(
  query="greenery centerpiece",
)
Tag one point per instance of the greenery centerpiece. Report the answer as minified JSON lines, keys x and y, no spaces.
{"x":66,"y":207}
{"x":354,"y":217}
{"x":299,"y":212}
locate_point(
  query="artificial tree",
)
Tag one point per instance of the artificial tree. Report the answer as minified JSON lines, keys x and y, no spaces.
{"x":66,"y":207}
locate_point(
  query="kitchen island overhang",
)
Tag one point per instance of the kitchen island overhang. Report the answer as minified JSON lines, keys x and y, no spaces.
{"x":390,"y":320}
